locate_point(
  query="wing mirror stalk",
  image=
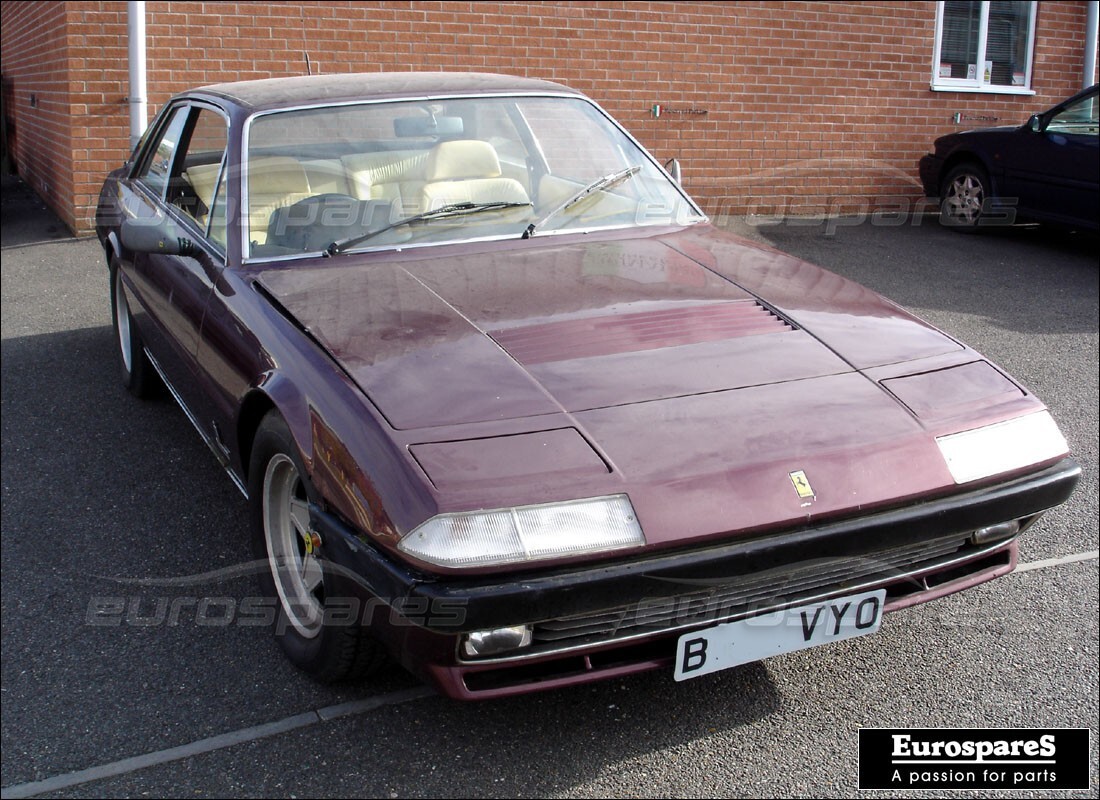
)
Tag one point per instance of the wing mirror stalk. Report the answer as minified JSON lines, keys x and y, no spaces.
{"x":672,"y":167}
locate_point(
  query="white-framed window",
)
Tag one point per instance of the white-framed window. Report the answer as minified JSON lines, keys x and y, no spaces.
{"x":984,"y":46}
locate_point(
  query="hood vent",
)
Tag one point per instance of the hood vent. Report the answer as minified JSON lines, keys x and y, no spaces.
{"x":647,"y":330}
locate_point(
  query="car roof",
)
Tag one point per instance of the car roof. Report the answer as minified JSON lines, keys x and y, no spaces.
{"x":309,"y":89}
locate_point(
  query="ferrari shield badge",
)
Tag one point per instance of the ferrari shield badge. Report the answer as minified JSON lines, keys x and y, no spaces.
{"x":802,"y":484}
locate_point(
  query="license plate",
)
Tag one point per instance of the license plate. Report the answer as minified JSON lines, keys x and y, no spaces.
{"x":747,"y":640}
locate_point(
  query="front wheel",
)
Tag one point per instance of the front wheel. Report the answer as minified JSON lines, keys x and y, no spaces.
{"x":319,"y":620}
{"x":965,"y":195}
{"x":138,"y":375}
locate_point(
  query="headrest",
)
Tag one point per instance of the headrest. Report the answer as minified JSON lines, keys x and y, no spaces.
{"x":461,"y":160}
{"x":276,"y":175}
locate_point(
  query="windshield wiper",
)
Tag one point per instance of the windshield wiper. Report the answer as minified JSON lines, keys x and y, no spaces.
{"x":452,"y":210}
{"x":598,"y":185}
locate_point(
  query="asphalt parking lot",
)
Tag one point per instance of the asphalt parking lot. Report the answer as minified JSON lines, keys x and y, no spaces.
{"x":100,"y":489}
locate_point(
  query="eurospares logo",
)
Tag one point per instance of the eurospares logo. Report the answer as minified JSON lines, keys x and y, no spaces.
{"x":974,"y":758}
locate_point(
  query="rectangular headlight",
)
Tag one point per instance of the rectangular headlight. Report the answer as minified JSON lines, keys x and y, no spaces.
{"x":1002,"y":447}
{"x":526,"y":533}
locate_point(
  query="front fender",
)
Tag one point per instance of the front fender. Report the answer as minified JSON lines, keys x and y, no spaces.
{"x":331,"y":444}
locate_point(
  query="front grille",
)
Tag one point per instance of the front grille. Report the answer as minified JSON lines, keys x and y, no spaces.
{"x":745,"y":594}
{"x":626,"y":654}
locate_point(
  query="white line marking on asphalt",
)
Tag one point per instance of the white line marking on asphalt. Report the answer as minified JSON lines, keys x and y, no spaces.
{"x":1055,"y":562}
{"x":213,"y":743}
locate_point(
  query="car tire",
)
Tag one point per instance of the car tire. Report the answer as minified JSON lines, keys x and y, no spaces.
{"x":318,"y":621}
{"x":137,"y":371}
{"x":964,"y":197}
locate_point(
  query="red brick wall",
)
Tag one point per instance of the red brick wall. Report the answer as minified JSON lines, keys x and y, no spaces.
{"x":99,"y":85}
{"x":811,"y":106}
{"x":36,"y":99}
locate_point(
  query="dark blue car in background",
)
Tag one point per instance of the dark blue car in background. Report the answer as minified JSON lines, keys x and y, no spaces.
{"x":1047,"y":170}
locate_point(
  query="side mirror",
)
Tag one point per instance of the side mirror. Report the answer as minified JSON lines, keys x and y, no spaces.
{"x":672,"y":167}
{"x":160,"y":236}
{"x":1035,"y":123}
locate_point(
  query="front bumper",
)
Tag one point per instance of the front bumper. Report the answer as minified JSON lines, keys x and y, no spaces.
{"x":427,"y":614}
{"x":931,"y":167}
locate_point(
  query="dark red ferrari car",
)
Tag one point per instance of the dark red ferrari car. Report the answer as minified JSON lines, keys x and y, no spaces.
{"x":507,"y":408}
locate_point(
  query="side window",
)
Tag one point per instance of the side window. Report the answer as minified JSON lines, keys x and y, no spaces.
{"x":216,"y":229}
{"x":495,"y":127}
{"x":199,"y":189}
{"x":565,"y":136}
{"x":185,"y":167}
{"x":158,"y":164}
{"x":1080,"y":118}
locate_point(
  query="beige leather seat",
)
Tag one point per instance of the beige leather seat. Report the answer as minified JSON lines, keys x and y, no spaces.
{"x":467,"y":170}
{"x":203,"y":179}
{"x":273,"y":182}
{"x":326,"y":176}
{"x":395,"y":175}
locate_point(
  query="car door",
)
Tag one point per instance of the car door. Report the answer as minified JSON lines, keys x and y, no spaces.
{"x":178,"y":176}
{"x":1055,"y":170}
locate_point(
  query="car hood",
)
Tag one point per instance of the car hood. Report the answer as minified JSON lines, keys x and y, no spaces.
{"x":540,"y":327}
{"x":993,"y":133}
{"x":993,"y":129}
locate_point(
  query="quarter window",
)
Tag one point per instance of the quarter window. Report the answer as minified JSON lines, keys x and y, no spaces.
{"x":158,"y":164}
{"x":984,"y":46}
{"x":185,"y":167}
{"x":200,"y":193}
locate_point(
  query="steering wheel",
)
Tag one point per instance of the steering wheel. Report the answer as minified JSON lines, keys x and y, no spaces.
{"x":313,"y":223}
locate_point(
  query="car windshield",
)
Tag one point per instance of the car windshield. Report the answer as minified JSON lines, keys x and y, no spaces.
{"x":366,"y":176}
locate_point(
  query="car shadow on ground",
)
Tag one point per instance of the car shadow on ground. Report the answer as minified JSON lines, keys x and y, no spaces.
{"x":107,"y":498}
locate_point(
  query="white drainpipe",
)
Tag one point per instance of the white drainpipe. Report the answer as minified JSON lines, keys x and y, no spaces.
{"x":1092,"y":29}
{"x":139,"y":107}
